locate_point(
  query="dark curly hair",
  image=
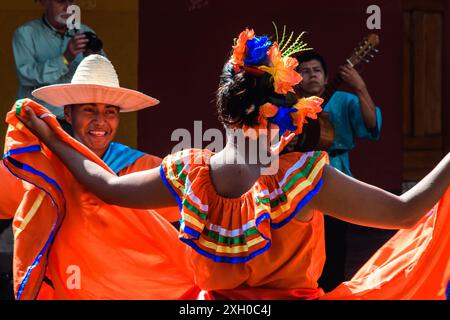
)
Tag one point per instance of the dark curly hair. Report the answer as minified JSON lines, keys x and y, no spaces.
{"x":241,"y":94}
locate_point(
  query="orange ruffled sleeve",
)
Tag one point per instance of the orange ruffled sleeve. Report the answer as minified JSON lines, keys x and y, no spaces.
{"x":298,"y":180}
{"x":175,"y":169}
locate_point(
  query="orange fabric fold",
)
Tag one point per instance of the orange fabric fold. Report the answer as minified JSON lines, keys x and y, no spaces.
{"x":413,"y":265}
{"x":15,"y":190}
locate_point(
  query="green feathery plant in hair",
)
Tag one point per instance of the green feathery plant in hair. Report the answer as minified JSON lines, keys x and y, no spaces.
{"x":289,"y":50}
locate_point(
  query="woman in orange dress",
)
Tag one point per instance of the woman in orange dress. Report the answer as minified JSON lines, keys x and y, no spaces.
{"x":255,"y":229}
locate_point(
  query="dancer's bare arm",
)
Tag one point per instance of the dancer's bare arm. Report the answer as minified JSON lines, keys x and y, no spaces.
{"x":351,"y":200}
{"x":144,"y":190}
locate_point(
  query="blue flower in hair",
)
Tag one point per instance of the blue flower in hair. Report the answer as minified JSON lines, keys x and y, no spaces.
{"x":284,"y":120}
{"x":257,"y":50}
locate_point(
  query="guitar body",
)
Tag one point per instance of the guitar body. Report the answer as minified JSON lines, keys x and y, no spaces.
{"x":317,"y":134}
{"x":327,"y":132}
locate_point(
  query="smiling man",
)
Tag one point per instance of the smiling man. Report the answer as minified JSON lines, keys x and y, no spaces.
{"x":92,"y":104}
{"x":94,"y":124}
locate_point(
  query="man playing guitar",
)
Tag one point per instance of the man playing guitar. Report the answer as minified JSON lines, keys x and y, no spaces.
{"x":352,"y":116}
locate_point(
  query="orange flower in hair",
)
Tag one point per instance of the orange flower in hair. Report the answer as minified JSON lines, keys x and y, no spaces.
{"x":268,"y":110}
{"x":307,"y":107}
{"x":282,"y":70}
{"x":240,"y":49}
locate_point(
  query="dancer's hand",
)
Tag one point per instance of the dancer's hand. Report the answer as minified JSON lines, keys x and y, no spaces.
{"x":37,"y":126}
{"x":275,"y":150}
{"x":284,"y":141}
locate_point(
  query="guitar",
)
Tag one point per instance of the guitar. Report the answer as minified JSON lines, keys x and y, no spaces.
{"x":319,"y":134}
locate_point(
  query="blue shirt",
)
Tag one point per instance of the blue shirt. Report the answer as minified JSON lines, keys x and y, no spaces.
{"x":345,"y":114}
{"x":119,"y":156}
{"x":38,"y":53}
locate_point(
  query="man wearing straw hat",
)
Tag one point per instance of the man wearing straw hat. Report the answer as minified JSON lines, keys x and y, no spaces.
{"x":92,"y":104}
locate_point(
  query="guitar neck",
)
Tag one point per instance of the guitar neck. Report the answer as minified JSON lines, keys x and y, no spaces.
{"x":363,"y":52}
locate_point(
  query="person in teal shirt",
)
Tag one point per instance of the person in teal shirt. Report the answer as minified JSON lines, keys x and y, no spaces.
{"x":353,"y":116}
{"x":46,"y":52}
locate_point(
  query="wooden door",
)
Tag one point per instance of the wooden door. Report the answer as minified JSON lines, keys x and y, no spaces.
{"x":422,"y":87}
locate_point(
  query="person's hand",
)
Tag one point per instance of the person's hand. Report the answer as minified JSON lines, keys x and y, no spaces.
{"x":37,"y":126}
{"x":352,"y":77}
{"x":76,"y":46}
{"x":276,"y":150}
{"x":284,"y":141}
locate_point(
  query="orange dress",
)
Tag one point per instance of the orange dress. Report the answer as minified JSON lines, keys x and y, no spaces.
{"x":251,"y":247}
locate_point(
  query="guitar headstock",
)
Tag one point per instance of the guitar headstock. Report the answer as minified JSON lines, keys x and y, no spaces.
{"x":365,"y":50}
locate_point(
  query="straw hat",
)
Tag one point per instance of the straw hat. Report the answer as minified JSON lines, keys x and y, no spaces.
{"x":95,"y":81}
